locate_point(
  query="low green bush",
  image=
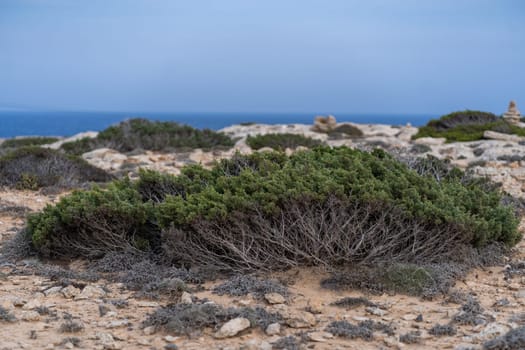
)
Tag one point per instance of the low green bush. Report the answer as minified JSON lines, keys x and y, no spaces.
{"x":27,"y":141}
{"x":270,"y":211}
{"x":466,"y":126}
{"x":32,"y":168}
{"x":144,"y":134}
{"x":93,"y":222}
{"x":281,"y":141}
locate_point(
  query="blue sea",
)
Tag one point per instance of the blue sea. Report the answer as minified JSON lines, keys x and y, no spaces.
{"x":62,"y":123}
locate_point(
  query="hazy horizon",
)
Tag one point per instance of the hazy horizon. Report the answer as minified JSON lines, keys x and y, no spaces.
{"x":243,"y":56}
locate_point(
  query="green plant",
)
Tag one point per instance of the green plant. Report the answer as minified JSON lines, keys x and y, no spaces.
{"x":144,"y":134}
{"x":27,"y":182}
{"x":27,"y":141}
{"x":270,"y":211}
{"x":281,"y":141}
{"x":93,"y":222}
{"x":467,"y":126}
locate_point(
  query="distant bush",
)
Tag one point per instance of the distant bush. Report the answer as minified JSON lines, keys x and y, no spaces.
{"x":144,"y":134}
{"x":467,"y":126}
{"x":27,"y":141}
{"x":281,"y":141}
{"x":264,"y":211}
{"x":33,"y":167}
{"x":344,"y":131}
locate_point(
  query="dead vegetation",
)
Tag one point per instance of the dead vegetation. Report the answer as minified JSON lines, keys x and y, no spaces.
{"x":191,"y":319}
{"x":241,"y":285}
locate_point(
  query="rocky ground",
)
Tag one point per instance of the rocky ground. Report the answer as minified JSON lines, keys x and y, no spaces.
{"x":39,"y":313}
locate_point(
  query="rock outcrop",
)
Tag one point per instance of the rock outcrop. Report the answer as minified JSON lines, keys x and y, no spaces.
{"x":324,"y":124}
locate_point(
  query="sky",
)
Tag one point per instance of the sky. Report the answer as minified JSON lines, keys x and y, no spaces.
{"x":374,"y":56}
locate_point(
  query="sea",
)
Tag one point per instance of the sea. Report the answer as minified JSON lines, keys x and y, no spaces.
{"x":66,"y":123}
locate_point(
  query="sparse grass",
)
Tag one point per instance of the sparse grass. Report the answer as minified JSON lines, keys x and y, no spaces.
{"x":27,"y":141}
{"x":287,"y":343}
{"x":439,"y":330}
{"x":32,"y":168}
{"x":244,"y":284}
{"x":281,"y":141}
{"x":419,"y":149}
{"x":512,"y":340}
{"x":6,"y":316}
{"x":350,"y":302}
{"x":471,"y":313}
{"x":71,"y":326}
{"x":412,"y":337}
{"x":345,"y":329}
{"x":185,"y":319}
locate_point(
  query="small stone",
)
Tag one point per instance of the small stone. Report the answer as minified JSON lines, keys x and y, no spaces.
{"x":104,"y":338}
{"x":30,"y":316}
{"x":409,"y":317}
{"x":520,"y":294}
{"x":52,"y":291}
{"x":90,"y":292}
{"x":315,"y":307}
{"x":514,"y":286}
{"x":299,"y":319}
{"x":360,"y":318}
{"x":117,"y":324}
{"x":70,"y":292}
{"x":32,"y":304}
{"x":143,"y":341}
{"x":186,"y":298}
{"x":147,"y":304}
{"x":170,"y":339}
{"x":18,"y":302}
{"x":274,"y":298}
{"x":419,"y":318}
{"x":149,"y":330}
{"x":69,"y":345}
{"x":171,"y":347}
{"x":376,"y":311}
{"x":273,"y":329}
{"x":233,"y":327}
{"x":320,"y":336}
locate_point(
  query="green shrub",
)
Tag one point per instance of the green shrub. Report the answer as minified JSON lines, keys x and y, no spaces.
{"x":27,"y":141}
{"x":80,"y":147}
{"x":270,"y":211}
{"x":281,"y":141}
{"x":466,"y":126}
{"x":34,"y":167}
{"x":144,"y":134}
{"x":91,"y":223}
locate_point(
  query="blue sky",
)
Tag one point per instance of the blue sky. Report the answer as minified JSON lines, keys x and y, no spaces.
{"x":374,"y":56}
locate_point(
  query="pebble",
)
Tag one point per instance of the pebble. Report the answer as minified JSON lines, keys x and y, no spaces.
{"x":232,"y":327}
{"x":274,"y":298}
{"x":186,"y":298}
{"x":30,"y":316}
{"x":273,"y":329}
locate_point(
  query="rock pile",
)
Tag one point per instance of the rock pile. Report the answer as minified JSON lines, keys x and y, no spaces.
{"x":324,"y":124}
{"x":512,"y":115}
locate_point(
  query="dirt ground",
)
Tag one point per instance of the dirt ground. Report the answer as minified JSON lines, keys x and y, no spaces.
{"x":23,"y":296}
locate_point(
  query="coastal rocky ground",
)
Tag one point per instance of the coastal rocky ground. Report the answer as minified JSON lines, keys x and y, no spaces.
{"x":39,"y":312}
